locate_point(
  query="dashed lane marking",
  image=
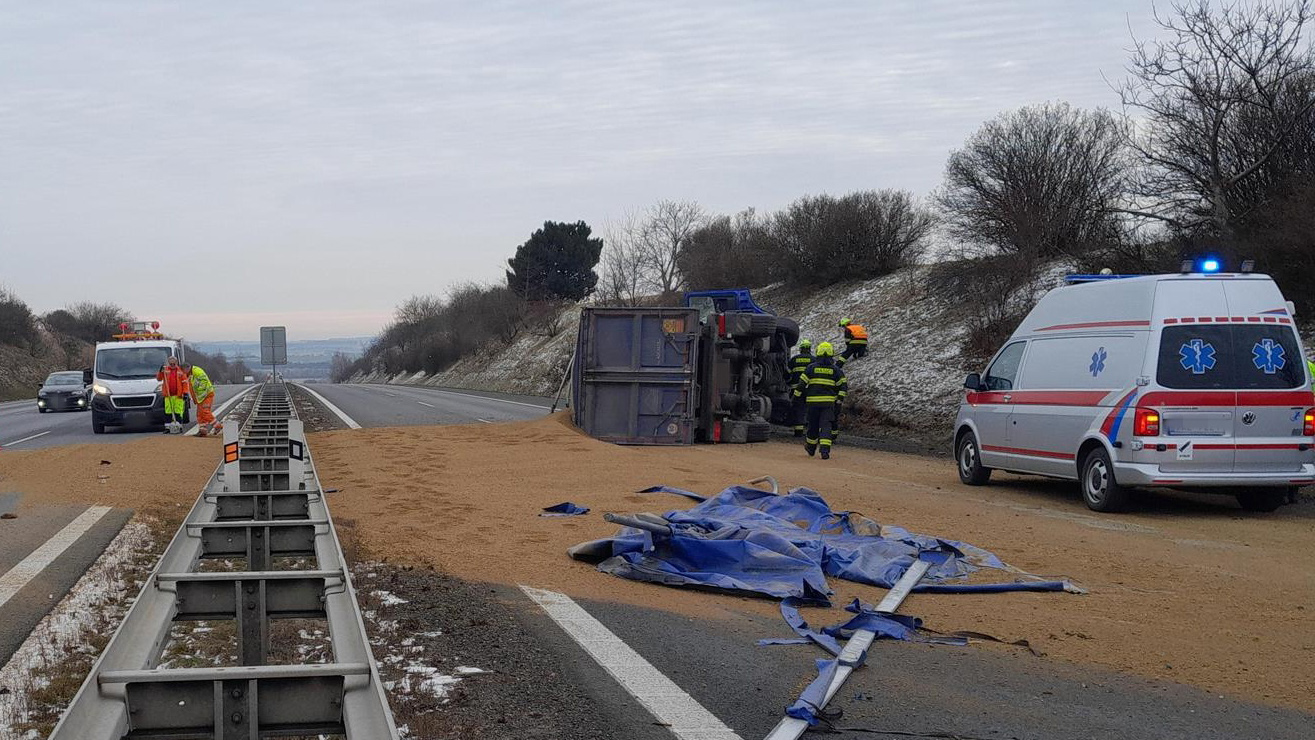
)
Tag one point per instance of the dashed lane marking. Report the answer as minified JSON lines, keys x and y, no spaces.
{"x":677,"y":710}
{"x":25,"y":439}
{"x":32,"y":565}
{"x":430,"y":405}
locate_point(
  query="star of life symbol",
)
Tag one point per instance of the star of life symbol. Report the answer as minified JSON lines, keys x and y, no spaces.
{"x":1097,"y":365}
{"x":1198,"y":356}
{"x":1268,"y":355}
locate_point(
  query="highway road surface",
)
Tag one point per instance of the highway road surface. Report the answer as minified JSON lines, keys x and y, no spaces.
{"x":396,"y":405}
{"x":706,"y":671}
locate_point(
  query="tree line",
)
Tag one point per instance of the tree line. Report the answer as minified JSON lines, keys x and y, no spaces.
{"x":75,"y":329}
{"x":1210,"y":150}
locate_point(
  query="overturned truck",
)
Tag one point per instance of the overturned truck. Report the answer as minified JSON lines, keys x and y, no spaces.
{"x":714,"y":370}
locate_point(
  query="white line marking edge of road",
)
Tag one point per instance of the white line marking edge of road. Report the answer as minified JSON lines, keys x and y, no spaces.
{"x":430,"y":405}
{"x":220,"y":411}
{"x":685,"y":717}
{"x":27,"y":439}
{"x":349,"y":421}
{"x":454,"y":393}
{"x":39,"y":559}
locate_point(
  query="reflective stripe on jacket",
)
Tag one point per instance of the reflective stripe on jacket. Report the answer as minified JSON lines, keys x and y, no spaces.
{"x":856,"y":334}
{"x":798,"y":364}
{"x":822,"y":382}
{"x":201,"y":385}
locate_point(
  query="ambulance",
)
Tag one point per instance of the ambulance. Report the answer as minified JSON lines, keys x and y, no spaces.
{"x":1193,"y":381}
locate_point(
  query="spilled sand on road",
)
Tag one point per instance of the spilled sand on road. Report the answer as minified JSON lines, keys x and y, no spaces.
{"x":158,"y":473}
{"x":1199,"y":593}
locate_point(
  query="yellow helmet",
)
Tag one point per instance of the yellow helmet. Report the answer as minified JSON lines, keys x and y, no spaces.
{"x":844,"y":322}
{"x":805,"y":343}
{"x":824,"y":350}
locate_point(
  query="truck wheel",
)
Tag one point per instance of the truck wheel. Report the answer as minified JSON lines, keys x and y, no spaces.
{"x":759,"y":432}
{"x":1262,"y":499}
{"x":1099,"y":489}
{"x":790,"y":329}
{"x":762,"y":325}
{"x":971,"y":471}
{"x":97,"y":427}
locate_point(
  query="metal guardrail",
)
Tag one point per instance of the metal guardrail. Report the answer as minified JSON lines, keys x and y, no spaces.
{"x":264,"y":503}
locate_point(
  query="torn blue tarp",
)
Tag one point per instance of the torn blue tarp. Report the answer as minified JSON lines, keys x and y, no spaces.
{"x":747,"y":539}
{"x":565,"y":508}
{"x":866,"y":617}
{"x":809,"y":704}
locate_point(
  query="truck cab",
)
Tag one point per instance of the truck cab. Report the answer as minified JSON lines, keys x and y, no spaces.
{"x":124,"y":387}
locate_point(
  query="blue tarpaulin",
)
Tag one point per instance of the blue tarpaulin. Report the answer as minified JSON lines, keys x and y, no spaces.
{"x":783,"y":546}
{"x":565,"y":508}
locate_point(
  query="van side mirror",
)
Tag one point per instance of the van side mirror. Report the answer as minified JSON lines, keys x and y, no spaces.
{"x":974,"y":382}
{"x":86,"y":376}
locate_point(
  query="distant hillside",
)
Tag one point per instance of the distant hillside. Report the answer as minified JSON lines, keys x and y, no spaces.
{"x":308,"y":359}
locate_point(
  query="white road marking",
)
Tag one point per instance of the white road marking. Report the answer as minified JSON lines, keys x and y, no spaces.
{"x":430,"y":405}
{"x":349,"y":421}
{"x":486,"y":421}
{"x":220,"y":411}
{"x":20,"y":575}
{"x":26,"y":439}
{"x":674,"y":708}
{"x":487,"y":398}
{"x":394,"y":395}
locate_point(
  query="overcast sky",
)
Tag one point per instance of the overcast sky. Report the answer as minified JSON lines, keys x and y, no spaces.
{"x":223,"y":165}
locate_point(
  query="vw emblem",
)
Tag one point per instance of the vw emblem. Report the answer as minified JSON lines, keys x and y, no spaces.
{"x":1249,"y":418}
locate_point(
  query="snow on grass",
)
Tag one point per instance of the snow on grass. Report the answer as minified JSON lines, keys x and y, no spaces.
{"x":91,"y":608}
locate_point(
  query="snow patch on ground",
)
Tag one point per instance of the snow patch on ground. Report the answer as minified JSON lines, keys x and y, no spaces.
{"x":91,"y":605}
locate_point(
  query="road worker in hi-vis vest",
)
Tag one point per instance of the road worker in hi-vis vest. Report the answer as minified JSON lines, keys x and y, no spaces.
{"x":856,"y":341}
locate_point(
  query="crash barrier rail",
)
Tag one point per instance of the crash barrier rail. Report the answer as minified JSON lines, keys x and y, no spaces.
{"x":263,"y":504}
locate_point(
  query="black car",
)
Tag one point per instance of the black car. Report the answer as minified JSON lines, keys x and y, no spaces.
{"x":64,"y":391}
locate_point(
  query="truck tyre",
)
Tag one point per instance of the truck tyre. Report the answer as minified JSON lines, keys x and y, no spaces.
{"x":969,"y":456}
{"x":789,"y":328}
{"x":1100,"y":491}
{"x":762,"y":325}
{"x":1262,"y":499}
{"x":759,"y":432}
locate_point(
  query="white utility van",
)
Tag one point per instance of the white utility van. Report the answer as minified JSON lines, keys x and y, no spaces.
{"x":1192,"y":381}
{"x":124,"y":387}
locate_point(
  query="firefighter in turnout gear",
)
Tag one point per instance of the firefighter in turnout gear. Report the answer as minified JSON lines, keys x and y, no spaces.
{"x":856,"y":340}
{"x":822,"y":386}
{"x":798,"y":364}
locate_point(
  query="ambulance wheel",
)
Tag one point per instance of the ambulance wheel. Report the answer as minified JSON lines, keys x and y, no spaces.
{"x":1262,"y":499}
{"x":1099,"y":489}
{"x":971,"y":471}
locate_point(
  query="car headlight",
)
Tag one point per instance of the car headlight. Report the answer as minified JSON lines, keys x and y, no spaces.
{"x":100,"y":390}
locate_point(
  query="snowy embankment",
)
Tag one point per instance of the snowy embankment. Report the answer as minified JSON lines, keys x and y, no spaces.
{"x":912,"y":376}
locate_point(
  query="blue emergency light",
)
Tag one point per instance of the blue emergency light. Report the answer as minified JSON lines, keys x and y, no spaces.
{"x":1210,"y":264}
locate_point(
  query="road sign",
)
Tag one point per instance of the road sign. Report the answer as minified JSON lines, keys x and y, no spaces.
{"x":273,"y":345}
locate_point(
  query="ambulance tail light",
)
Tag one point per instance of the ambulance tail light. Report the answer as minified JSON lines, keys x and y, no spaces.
{"x":1146,"y":423}
{"x":1308,"y":426}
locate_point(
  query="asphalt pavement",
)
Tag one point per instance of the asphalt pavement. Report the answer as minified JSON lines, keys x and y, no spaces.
{"x":400,"y":405}
{"x":22,"y":427}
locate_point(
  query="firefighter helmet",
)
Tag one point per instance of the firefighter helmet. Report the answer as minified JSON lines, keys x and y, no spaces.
{"x":844,"y":322}
{"x":824,"y":350}
{"x":805,"y":343}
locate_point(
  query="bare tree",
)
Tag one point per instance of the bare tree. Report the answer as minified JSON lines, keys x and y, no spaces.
{"x":1040,"y":181}
{"x":729,"y":252}
{"x":624,"y":269}
{"x":665,"y":226}
{"x":1223,"y":94}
